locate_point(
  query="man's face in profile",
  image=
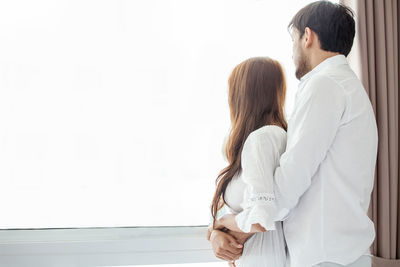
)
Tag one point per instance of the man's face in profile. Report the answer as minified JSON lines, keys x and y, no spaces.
{"x":299,"y":58}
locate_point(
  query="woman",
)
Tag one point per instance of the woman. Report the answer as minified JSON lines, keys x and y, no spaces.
{"x":257,"y":91}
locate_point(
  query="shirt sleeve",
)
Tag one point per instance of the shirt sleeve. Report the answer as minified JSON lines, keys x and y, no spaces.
{"x":259,"y":158}
{"x":310,"y":135}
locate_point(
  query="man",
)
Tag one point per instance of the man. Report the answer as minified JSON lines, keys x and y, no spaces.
{"x":326,"y":175}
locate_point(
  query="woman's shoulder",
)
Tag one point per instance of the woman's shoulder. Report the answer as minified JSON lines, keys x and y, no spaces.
{"x":266,"y":137}
{"x":267,"y":132}
{"x":263,"y":146}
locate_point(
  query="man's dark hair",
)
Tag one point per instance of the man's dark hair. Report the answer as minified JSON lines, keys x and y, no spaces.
{"x":333,"y":23}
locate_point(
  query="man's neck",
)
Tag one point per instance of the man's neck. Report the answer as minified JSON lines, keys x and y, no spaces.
{"x":319,"y":56}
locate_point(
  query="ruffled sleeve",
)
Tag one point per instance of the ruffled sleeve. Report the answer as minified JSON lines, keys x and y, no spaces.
{"x":259,"y":159}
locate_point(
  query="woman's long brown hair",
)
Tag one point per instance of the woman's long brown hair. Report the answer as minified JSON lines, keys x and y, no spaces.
{"x":257,"y":89}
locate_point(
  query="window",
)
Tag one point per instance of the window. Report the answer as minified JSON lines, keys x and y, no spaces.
{"x":113,"y":113}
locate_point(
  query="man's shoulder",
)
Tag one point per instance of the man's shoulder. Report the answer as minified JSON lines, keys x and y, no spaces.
{"x":325,"y":84}
{"x":337,"y":76}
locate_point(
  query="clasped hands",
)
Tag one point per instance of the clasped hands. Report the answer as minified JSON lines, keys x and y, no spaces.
{"x":226,"y":244}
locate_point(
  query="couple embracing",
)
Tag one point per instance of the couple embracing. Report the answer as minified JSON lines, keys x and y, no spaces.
{"x":297,"y":192}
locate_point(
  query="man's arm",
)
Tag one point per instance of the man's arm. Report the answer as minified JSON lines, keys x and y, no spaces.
{"x":310,"y":135}
{"x":228,"y":221}
{"x":239,"y":236}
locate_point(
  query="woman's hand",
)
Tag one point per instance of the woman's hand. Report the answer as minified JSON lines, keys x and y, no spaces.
{"x":209,"y":231}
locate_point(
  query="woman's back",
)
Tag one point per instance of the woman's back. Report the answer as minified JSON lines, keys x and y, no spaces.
{"x":256,"y":97}
{"x":250,"y":196}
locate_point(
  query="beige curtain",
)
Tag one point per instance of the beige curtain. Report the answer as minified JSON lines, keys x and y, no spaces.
{"x":375,"y":57}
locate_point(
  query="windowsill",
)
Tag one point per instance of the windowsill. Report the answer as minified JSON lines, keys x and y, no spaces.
{"x":104,"y":246}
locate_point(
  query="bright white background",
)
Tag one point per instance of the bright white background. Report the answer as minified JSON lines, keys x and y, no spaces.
{"x":113,"y":113}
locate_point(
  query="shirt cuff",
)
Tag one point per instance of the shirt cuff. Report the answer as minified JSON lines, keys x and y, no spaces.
{"x":262,"y":214}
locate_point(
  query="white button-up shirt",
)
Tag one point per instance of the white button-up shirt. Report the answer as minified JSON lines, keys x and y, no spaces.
{"x":326,"y":175}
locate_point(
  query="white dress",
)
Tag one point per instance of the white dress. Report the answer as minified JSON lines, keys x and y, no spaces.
{"x":250,"y":195}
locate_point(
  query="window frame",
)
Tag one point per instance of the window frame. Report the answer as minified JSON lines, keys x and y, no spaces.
{"x":119,"y":246}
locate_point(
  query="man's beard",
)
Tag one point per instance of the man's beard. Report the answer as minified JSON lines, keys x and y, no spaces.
{"x":303,"y":67}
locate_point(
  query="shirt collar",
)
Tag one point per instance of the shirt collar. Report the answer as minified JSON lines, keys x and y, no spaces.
{"x":329,"y":62}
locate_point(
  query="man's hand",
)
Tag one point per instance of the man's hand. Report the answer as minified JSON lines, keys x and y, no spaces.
{"x":225,"y":246}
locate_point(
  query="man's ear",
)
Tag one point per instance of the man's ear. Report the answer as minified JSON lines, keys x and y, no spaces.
{"x":309,"y":37}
